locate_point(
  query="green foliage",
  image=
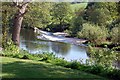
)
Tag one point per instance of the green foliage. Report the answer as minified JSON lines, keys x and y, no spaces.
{"x":61,"y":15}
{"x":76,"y":25}
{"x":4,"y":32}
{"x":10,"y":9}
{"x":5,"y":28}
{"x":10,"y":47}
{"x":98,"y":16}
{"x":115,"y":35}
{"x":116,"y":48}
{"x":93,"y":33}
{"x":47,"y":56}
{"x":102,"y":13}
{"x":73,"y":65}
{"x":103,"y":57}
{"x":38,"y":15}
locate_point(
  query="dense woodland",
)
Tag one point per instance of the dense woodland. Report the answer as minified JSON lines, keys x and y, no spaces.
{"x":97,"y":22}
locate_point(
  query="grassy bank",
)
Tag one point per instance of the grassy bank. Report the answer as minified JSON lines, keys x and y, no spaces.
{"x":99,"y":68}
{"x":21,"y":68}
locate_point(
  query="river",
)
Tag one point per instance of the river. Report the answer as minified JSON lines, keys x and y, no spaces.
{"x":35,"y":43}
{"x":29,"y":41}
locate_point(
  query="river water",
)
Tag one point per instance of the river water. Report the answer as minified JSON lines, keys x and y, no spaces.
{"x":33,"y":44}
{"x":29,"y":41}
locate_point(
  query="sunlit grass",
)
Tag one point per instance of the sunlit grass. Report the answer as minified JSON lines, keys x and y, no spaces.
{"x":20,"y":68}
{"x":79,"y":6}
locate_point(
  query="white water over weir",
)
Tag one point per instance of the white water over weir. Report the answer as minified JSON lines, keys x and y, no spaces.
{"x":59,"y":37}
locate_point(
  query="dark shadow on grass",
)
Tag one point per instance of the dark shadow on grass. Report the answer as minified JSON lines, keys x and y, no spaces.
{"x":22,"y":69}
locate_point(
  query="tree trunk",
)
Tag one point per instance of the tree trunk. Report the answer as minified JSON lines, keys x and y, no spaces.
{"x":18,"y":18}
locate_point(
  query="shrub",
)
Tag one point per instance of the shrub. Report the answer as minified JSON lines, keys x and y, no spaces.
{"x":10,"y":47}
{"x":47,"y":56}
{"x":103,"y":57}
{"x":60,"y":62}
{"x":73,"y":65}
{"x":93,"y":33}
{"x":115,"y":35}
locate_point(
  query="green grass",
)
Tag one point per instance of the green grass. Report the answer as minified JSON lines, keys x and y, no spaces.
{"x":79,"y":6}
{"x":21,"y":68}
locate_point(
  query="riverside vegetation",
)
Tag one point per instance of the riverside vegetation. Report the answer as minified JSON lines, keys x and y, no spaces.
{"x":100,"y":62}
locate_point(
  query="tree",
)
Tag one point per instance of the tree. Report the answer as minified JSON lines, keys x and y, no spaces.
{"x":18,"y":18}
{"x":101,"y":13}
{"x":38,"y":15}
{"x":76,"y":25}
{"x":76,"y":22}
{"x":61,"y":14}
{"x":4,"y":28}
{"x":115,"y":34}
{"x":93,"y":33}
{"x":5,"y":18}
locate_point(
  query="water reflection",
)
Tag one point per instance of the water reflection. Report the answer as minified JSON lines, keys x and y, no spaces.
{"x":30,"y":43}
{"x":28,"y":35}
{"x":61,"y":48}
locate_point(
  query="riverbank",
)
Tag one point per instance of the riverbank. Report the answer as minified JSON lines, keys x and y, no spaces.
{"x":21,"y":68}
{"x":50,"y":58}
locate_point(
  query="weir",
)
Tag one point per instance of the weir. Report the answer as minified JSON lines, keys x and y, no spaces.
{"x":59,"y":37}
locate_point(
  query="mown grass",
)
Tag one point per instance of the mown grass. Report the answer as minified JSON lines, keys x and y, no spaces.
{"x":20,"y":68}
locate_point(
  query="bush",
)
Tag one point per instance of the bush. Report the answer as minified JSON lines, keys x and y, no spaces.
{"x":60,"y":62}
{"x":115,"y":35}
{"x":10,"y":47}
{"x":47,"y":56}
{"x":73,"y":65}
{"x":93,"y":33}
{"x":102,"y":57}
